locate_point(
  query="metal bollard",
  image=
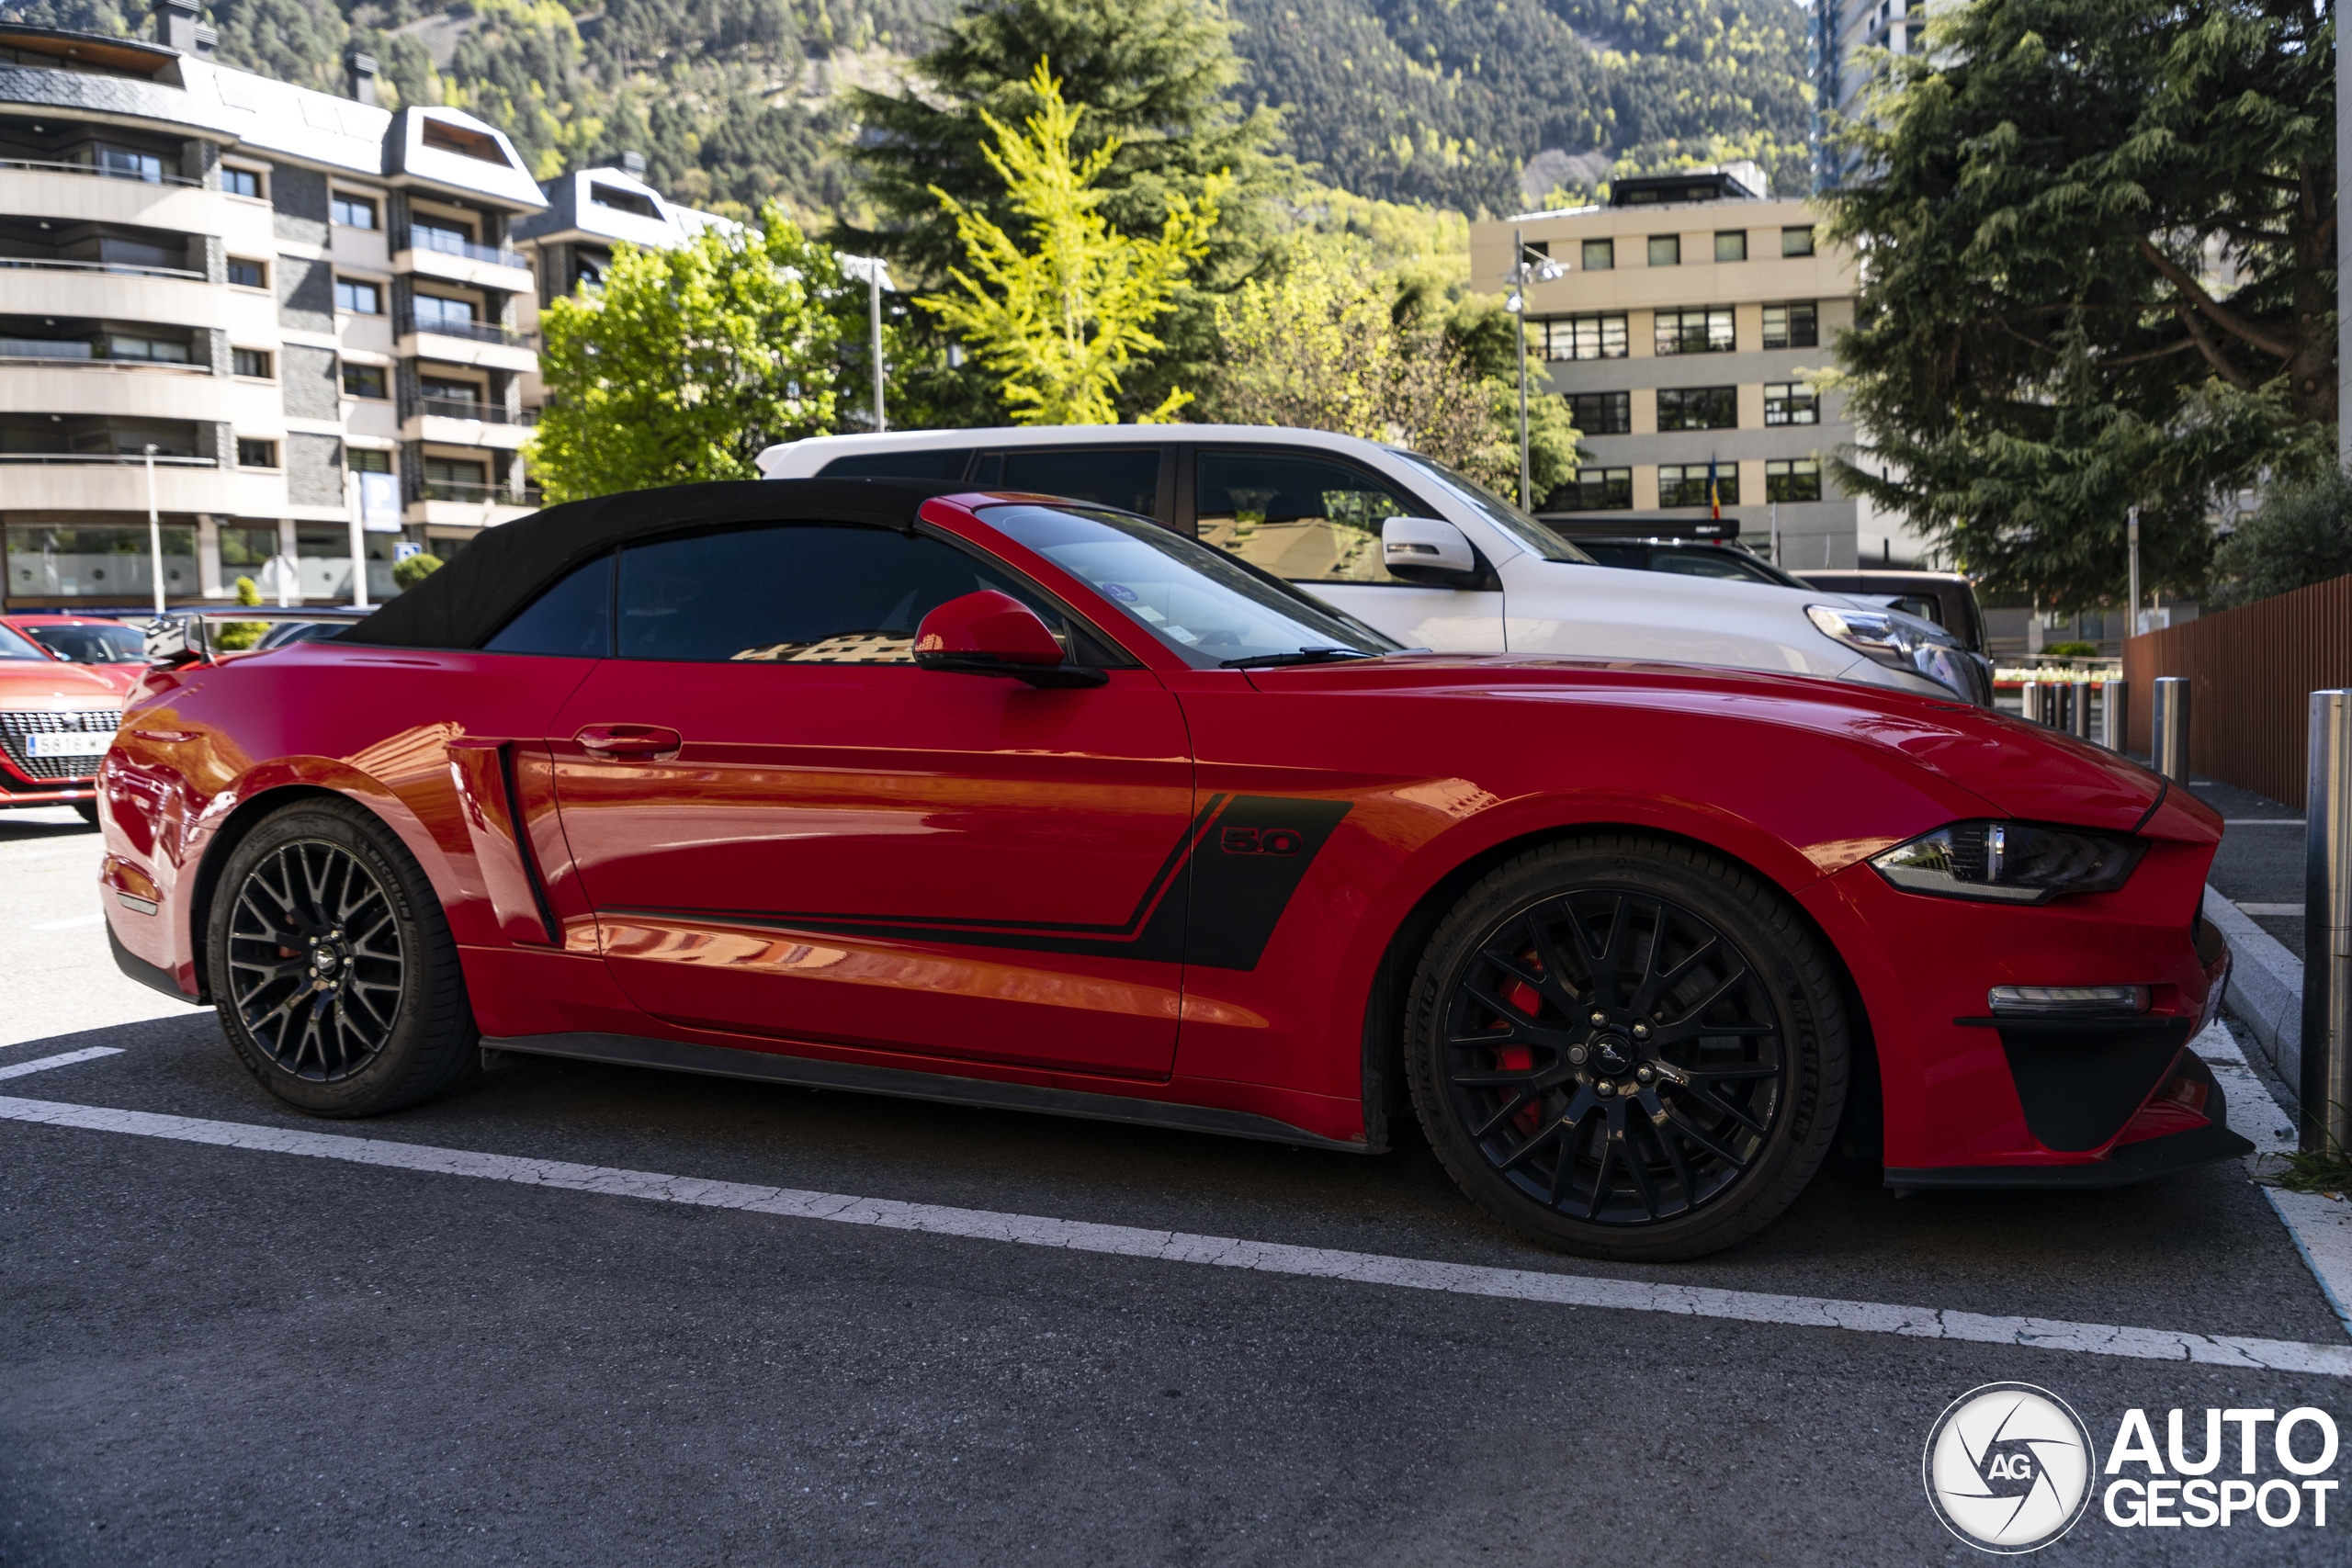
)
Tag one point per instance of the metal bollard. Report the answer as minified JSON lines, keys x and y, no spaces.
{"x":2079,"y":703}
{"x":2114,"y":714}
{"x":2326,"y":1087}
{"x":2030,"y":693}
{"x":2169,"y":728}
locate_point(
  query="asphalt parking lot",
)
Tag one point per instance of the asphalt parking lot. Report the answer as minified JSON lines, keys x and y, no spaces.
{"x":237,"y":1335}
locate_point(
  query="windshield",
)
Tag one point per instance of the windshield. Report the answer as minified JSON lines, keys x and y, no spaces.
{"x":111,"y":643}
{"x":1206,"y":606}
{"x":1498,"y":510}
{"x":14,"y":647}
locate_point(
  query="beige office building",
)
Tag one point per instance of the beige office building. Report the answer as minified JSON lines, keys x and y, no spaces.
{"x":1684,"y":327}
{"x":281,"y":292}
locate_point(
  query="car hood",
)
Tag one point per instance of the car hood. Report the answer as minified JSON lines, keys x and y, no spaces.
{"x":2023,"y":770}
{"x":51,"y":684}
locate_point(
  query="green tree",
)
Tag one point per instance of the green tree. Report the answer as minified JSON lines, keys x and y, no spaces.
{"x":1061,"y":322}
{"x":2301,"y":536}
{"x":691,"y":360}
{"x":1156,"y":77}
{"x":408,"y":573}
{"x":2099,"y":270}
{"x":232,"y":637}
{"x":1330,"y":342}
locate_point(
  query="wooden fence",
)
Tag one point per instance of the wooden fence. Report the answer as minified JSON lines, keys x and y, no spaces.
{"x":2252,"y":669}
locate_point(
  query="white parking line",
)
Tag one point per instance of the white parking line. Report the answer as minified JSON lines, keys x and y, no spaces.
{"x":2320,"y":1227}
{"x":64,"y":1059}
{"x":2271,"y":909}
{"x":1225,"y":1252}
{"x":76,"y":923}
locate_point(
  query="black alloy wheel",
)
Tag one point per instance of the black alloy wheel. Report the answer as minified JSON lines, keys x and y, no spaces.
{"x":315,"y":960}
{"x":331,"y":966}
{"x":1629,"y":1048}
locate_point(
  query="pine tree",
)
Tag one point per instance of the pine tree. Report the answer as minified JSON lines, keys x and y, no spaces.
{"x":1061,"y":322}
{"x":2098,"y":271}
{"x":1155,"y":77}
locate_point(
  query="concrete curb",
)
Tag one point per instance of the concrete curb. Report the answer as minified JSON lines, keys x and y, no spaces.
{"x":2265,"y":987}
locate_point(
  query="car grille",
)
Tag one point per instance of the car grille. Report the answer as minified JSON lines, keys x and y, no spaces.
{"x":17,"y":730}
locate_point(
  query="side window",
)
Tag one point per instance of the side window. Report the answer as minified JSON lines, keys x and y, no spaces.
{"x":946,"y":465}
{"x":571,"y":620}
{"x":1303,"y":518}
{"x":1124,"y":477}
{"x":796,"y":594}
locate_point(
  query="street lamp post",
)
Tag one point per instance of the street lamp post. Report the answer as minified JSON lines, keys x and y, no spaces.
{"x":154,"y":532}
{"x":2132,"y":537}
{"x":1544,"y":270}
{"x":876,"y":273}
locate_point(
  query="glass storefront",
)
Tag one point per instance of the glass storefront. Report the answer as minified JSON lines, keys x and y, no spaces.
{"x":112,"y":564}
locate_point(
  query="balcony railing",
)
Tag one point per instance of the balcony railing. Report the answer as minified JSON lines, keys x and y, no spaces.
{"x":82,"y":357}
{"x":446,"y":243}
{"x":50,"y":167}
{"x":470,"y":492}
{"x":116,"y":459}
{"x":474,"y":332}
{"x":42,"y":264}
{"x":466,"y":408}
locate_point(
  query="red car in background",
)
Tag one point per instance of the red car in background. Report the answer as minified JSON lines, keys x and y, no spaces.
{"x":1012,"y":802}
{"x":56,"y":721}
{"x":116,"y":653}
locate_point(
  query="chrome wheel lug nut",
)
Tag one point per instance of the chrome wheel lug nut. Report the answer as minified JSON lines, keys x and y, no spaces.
{"x":1645,"y":1075}
{"x":1640,"y":1032}
{"x":1601,"y":1018}
{"x":1604,"y":1087}
{"x":1577,"y":1053}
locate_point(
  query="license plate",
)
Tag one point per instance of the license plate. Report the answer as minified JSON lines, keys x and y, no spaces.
{"x":71,"y":743}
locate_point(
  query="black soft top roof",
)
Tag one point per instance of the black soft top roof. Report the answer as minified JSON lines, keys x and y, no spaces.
{"x":464,"y":604}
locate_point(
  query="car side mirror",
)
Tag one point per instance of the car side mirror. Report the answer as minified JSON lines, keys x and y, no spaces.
{"x":1428,"y":550}
{"x":989,"y":633}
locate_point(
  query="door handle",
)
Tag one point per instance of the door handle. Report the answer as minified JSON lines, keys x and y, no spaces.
{"x":652,"y":743}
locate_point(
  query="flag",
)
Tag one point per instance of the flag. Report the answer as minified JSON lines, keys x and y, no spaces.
{"x":1715,"y":496}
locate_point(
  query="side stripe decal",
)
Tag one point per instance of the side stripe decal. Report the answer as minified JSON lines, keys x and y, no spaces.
{"x":1215,"y":901}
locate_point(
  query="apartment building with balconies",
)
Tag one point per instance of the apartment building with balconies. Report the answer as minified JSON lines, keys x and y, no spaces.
{"x":276,"y":290}
{"x":570,"y":242}
{"x":1685,"y":327}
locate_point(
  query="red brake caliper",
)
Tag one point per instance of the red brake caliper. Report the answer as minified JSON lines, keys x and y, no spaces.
{"x":1519,"y":1058}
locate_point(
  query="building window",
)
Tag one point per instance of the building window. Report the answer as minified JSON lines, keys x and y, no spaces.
{"x":247,"y":546}
{"x":1790,"y":402}
{"x":1694,"y":332}
{"x":367,"y":460}
{"x":124,"y":163}
{"x":240,"y":182}
{"x":1796,"y":326}
{"x":359,"y":298}
{"x":1584,"y":337}
{"x":248,"y":274}
{"x":1594,"y":489}
{"x":253,"y":454}
{"x":434,"y":312}
{"x":1797,"y":241}
{"x":351,"y":211}
{"x":1687,"y":485}
{"x":159,"y":350}
{"x":363,"y":380}
{"x":621,"y":200}
{"x":1697,"y":407}
{"x":1601,"y":413}
{"x":1599,"y":255}
{"x":1666,"y":249}
{"x":253,"y":362}
{"x":1797,"y":479}
{"x":1731,"y":245}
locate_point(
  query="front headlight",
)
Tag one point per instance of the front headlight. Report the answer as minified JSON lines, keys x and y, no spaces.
{"x":1899,"y":642}
{"x":2010,"y":863}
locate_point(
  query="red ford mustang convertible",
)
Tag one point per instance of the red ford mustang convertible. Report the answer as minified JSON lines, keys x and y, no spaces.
{"x":1026,"y":804}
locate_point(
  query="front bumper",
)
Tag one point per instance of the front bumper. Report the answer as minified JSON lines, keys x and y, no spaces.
{"x":2139,"y":1159}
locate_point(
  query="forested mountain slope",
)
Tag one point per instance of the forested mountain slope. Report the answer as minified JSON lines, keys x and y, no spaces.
{"x":732,"y":100}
